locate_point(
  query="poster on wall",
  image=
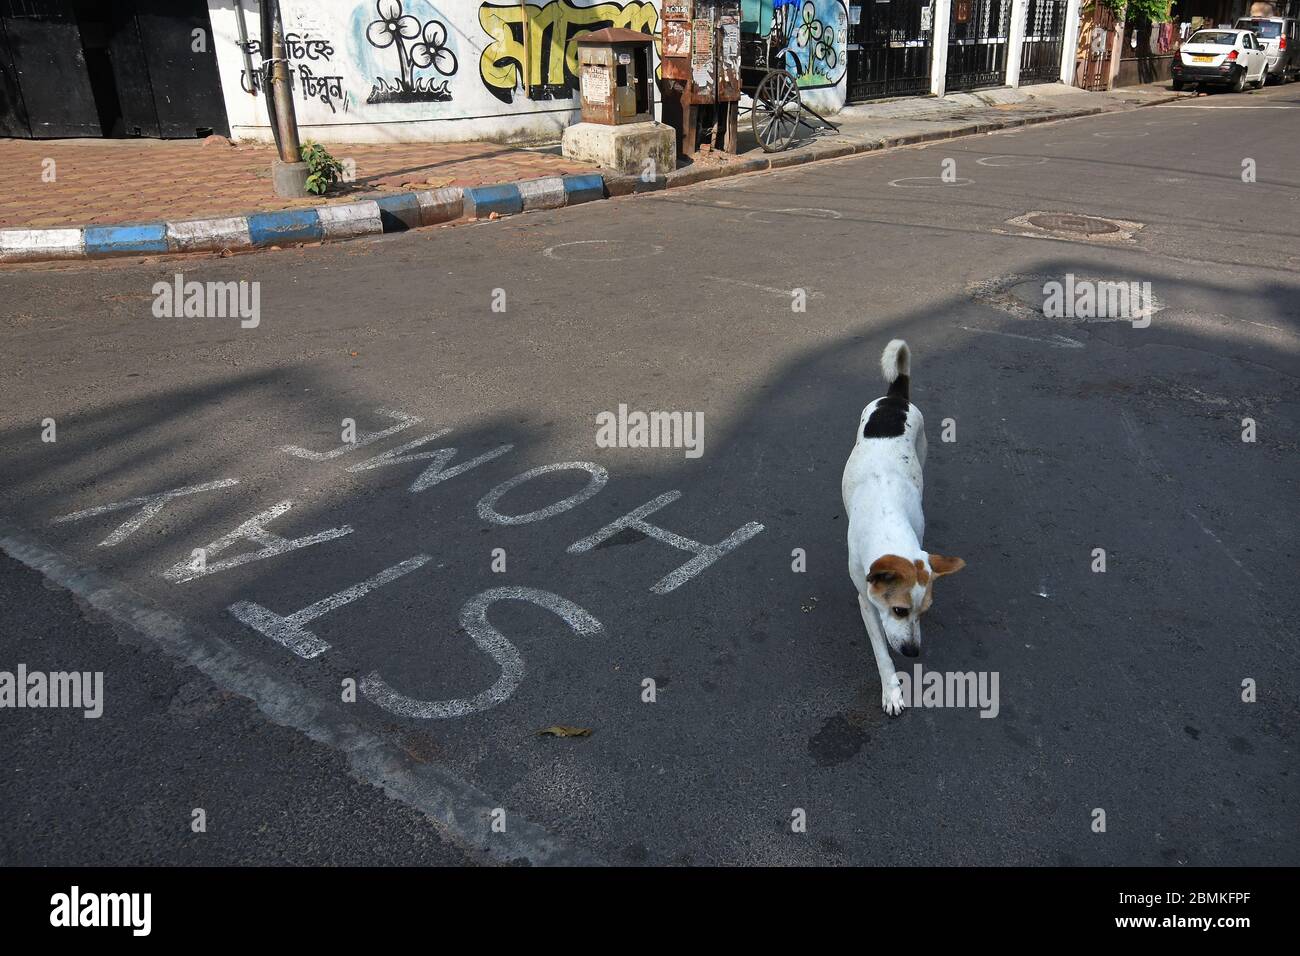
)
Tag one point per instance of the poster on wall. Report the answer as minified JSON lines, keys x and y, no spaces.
{"x":677,"y":38}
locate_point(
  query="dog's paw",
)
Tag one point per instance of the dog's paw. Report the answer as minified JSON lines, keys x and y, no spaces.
{"x":891,"y":697}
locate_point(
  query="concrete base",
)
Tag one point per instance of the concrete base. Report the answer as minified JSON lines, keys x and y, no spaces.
{"x":290,"y":179}
{"x":624,"y":148}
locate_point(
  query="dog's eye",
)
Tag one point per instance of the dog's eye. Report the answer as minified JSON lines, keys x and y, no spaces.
{"x":900,"y":611}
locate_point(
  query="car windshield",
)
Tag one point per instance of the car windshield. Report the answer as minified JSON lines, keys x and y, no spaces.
{"x":1268,"y":29}
{"x":1214,"y":38}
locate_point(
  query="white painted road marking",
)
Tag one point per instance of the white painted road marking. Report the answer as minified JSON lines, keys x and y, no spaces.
{"x":705,"y":554}
{"x":473,"y":618}
{"x":788,"y":293}
{"x":1056,"y":341}
{"x":487,"y":504}
{"x":435,"y":473}
{"x":253,"y":530}
{"x":289,"y":631}
{"x":455,"y":806}
{"x":362,"y":439}
{"x":149,"y":505}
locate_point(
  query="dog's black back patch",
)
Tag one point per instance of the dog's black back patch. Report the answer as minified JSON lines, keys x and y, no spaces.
{"x":889,"y":420}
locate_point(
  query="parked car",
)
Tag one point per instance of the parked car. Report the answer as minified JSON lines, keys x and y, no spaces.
{"x":1278,"y":37}
{"x":1220,"y":57}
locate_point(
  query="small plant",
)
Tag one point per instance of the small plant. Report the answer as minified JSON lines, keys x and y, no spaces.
{"x":323,"y":170}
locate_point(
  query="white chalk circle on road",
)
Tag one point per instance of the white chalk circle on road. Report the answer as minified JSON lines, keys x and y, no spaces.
{"x":1012,"y":160}
{"x":602,"y":250}
{"x":807,"y":212}
{"x":925,"y":182}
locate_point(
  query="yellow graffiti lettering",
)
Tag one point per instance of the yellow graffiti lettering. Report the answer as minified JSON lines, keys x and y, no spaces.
{"x":552,"y":38}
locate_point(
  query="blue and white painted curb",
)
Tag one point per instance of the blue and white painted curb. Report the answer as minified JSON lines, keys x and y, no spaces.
{"x":395,"y":212}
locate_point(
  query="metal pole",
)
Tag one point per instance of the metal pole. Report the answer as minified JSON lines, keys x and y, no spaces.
{"x":243,"y":45}
{"x":265,"y":18}
{"x":287,"y":119}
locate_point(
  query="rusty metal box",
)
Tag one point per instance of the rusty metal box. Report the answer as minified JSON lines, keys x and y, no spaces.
{"x":614,"y":73}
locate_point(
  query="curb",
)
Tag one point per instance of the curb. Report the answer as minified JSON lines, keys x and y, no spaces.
{"x":399,"y":212}
{"x":396,"y":212}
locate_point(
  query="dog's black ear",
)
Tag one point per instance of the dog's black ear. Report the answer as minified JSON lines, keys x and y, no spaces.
{"x":882,"y":577}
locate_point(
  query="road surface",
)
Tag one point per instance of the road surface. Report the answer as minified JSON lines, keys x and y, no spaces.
{"x":469,"y":610}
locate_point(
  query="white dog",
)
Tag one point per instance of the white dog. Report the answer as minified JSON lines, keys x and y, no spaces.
{"x":882,"y":498}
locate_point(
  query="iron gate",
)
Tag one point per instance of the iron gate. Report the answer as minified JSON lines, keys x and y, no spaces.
{"x":977,"y":44}
{"x":890,"y":48}
{"x":1040,"y":56}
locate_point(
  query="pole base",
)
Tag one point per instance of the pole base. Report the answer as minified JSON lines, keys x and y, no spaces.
{"x":290,"y":179}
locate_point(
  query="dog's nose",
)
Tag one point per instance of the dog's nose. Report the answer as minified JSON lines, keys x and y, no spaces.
{"x":911,"y":649}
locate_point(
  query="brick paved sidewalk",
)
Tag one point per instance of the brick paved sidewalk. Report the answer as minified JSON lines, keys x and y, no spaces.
{"x":103,"y":182}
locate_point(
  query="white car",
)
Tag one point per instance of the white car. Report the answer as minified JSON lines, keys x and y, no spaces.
{"x":1220,"y":57}
{"x":1277,"y":35}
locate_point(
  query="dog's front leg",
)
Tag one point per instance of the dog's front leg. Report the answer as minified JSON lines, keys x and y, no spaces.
{"x":891,"y":693}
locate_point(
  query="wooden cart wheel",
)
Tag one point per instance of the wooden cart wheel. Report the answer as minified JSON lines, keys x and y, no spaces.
{"x":775,"y":116}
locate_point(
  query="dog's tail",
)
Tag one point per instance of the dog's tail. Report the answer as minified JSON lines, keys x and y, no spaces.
{"x":896,"y":363}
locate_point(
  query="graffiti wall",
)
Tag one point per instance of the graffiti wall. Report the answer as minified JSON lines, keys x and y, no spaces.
{"x":814,"y":34}
{"x":455,"y":70}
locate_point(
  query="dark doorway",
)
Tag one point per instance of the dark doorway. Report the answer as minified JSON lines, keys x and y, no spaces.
{"x":50,"y":68}
{"x":177,"y":36}
{"x":108,"y":68}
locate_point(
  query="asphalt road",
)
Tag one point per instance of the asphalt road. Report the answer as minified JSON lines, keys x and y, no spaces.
{"x":1119,"y":691}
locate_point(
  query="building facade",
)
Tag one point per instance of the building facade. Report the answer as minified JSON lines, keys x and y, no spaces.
{"x":459,"y":70}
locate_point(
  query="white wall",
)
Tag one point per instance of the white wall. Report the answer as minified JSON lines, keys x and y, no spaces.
{"x":454,"y":74}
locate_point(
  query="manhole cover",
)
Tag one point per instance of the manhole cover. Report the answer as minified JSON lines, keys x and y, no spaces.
{"x":1080,"y":225}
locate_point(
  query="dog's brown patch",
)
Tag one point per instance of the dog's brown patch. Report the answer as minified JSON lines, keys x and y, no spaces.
{"x":892,"y":578}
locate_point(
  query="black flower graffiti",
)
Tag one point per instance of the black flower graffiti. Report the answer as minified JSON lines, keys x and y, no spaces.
{"x":394,"y":29}
{"x":433,"y":51}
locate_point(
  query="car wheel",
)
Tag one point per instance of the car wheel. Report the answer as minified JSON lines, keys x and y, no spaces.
{"x":1239,"y":83}
{"x":1177,"y":86}
{"x":1263,"y":78}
